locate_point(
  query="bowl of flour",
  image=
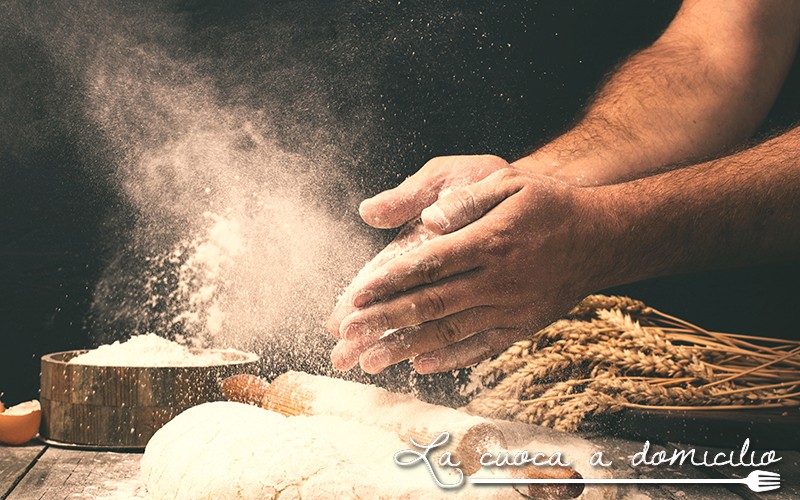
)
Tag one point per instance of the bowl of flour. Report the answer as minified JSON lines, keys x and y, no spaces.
{"x":117,"y":396}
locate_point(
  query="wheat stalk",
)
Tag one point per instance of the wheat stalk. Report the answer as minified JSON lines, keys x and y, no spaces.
{"x":611,"y":353}
{"x":588,"y":306}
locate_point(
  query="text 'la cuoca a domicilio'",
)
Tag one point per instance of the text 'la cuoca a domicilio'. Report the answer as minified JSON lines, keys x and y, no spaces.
{"x":446,"y":462}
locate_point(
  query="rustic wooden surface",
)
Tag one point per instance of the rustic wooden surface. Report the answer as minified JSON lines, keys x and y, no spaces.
{"x":60,"y":473}
{"x":15,"y":462}
{"x":75,"y":474}
{"x":38,"y":472}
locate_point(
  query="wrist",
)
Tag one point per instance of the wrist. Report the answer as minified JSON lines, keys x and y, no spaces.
{"x":536,"y":164}
{"x":613,"y":236}
{"x":583,"y":172}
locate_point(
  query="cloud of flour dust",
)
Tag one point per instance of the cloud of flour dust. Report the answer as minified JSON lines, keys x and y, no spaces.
{"x":235,"y":241}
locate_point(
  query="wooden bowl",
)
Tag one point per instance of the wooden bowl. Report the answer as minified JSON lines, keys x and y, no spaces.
{"x":121,"y":407}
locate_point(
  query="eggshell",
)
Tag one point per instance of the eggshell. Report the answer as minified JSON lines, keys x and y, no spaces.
{"x":19,"y":424}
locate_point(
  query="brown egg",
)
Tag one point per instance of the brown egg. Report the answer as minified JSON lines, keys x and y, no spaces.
{"x":20,"y":423}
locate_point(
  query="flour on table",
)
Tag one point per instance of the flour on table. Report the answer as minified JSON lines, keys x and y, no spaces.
{"x":152,"y":350}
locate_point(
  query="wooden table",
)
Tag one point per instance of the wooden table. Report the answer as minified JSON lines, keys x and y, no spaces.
{"x":37,"y":471}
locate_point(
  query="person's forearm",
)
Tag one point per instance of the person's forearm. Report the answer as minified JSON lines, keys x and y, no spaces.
{"x":737,"y":210}
{"x":702,"y":87}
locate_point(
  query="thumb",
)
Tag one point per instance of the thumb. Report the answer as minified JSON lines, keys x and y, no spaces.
{"x":468,"y":204}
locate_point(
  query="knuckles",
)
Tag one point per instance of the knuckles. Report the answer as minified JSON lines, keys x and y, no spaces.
{"x":429,"y":269}
{"x":461,"y":204}
{"x":431,"y":305}
{"x":447,"y":332}
{"x":509,"y":175}
{"x":382,"y":320}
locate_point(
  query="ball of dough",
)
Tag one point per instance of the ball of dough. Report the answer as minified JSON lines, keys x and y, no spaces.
{"x":233,"y":450}
{"x":217,"y":450}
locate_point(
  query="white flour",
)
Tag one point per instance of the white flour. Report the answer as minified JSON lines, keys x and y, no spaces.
{"x":152,"y":350}
{"x":201,"y":279}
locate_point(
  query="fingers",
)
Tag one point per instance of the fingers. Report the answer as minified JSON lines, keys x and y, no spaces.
{"x":437,"y":260}
{"x":468,"y":204}
{"x":393,"y":207}
{"x":467,"y":352}
{"x":405,"y":202}
{"x":431,"y":336}
{"x":344,"y":355}
{"x":445,"y":255}
{"x":342,"y":310}
{"x":415,"y":307}
{"x":410,"y":237}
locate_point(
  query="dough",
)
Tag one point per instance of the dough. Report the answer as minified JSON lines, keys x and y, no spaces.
{"x":233,"y":450}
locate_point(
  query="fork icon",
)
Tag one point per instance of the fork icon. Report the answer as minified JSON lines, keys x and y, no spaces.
{"x":761,"y":480}
{"x":758,"y":481}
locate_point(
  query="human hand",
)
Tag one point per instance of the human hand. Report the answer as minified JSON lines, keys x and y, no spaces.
{"x":515,"y":252}
{"x":395,"y":207}
{"x":403,"y":205}
{"x":411,"y":236}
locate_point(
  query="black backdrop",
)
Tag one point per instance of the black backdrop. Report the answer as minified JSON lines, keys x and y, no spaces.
{"x":400,"y":82}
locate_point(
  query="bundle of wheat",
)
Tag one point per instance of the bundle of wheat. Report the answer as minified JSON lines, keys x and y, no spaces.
{"x":611,"y":353}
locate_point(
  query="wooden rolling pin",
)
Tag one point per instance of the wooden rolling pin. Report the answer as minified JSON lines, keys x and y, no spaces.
{"x":297,"y":393}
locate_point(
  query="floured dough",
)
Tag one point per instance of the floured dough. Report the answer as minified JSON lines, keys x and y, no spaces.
{"x":233,"y":450}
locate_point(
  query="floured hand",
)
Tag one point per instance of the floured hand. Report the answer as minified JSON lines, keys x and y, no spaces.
{"x":394,"y":208}
{"x":345,"y":354}
{"x":513,"y":252}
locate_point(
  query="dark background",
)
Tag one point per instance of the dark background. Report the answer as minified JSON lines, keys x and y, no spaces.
{"x":400,"y":82}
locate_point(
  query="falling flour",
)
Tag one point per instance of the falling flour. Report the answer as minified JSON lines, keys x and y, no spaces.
{"x":152,"y":350}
